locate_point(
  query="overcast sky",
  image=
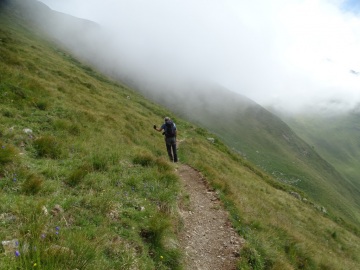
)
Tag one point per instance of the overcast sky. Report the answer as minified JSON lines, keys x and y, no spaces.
{"x":287,"y":53}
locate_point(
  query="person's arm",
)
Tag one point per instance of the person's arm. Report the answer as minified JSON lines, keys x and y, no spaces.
{"x":157,"y":129}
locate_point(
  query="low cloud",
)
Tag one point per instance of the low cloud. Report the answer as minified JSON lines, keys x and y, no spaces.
{"x":288,"y":54}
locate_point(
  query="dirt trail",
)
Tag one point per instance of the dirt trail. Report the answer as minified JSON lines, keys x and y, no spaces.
{"x":208,"y":239}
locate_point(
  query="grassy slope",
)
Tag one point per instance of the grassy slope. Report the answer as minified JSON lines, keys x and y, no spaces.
{"x":269,"y":143}
{"x":261,"y":136}
{"x":337,"y":139}
{"x":93,"y":152}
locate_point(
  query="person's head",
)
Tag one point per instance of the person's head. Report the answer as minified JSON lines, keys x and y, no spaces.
{"x":166,"y":119}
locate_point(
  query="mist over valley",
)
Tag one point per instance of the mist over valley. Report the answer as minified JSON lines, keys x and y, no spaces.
{"x":293,"y":56}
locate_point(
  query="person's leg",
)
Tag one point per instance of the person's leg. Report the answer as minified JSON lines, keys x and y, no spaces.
{"x":168,"y":148}
{"x":173,"y":146}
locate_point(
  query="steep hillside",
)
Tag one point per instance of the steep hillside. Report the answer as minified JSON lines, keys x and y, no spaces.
{"x":267,"y":141}
{"x":251,"y":130}
{"x":337,"y":138}
{"x":85,"y":183}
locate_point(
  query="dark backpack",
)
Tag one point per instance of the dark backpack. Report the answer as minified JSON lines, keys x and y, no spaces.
{"x":170,"y":130}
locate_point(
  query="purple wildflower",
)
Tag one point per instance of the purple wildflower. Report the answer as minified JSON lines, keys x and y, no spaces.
{"x":17,"y":253}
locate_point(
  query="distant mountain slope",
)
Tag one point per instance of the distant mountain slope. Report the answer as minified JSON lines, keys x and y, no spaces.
{"x":57,"y":24}
{"x":251,"y":130}
{"x":266,"y":140}
{"x":337,"y":138}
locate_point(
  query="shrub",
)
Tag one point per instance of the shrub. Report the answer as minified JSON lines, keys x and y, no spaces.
{"x":201,"y":131}
{"x":41,"y":105}
{"x":74,"y":129}
{"x":8,"y":114}
{"x":169,"y":179}
{"x":47,"y":147}
{"x":298,"y":255}
{"x":163,"y":165}
{"x":99,"y":162}
{"x":155,"y":231}
{"x":145,"y":160}
{"x":155,"y":235}
{"x":32,"y":185}
{"x":76,"y":176}
{"x":7,"y":155}
{"x":250,"y":258}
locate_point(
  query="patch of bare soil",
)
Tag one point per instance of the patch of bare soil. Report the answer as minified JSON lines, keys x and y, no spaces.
{"x":208,"y":239}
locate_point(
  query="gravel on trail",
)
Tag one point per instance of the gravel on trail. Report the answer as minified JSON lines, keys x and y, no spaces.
{"x":208,"y":238}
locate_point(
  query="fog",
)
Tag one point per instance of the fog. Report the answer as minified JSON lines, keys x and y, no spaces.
{"x":291,"y":55}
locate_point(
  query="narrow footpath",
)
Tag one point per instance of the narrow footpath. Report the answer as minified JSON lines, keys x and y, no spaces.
{"x":208,"y":239}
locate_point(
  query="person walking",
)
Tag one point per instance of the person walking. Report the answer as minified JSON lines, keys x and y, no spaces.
{"x":170,"y":132}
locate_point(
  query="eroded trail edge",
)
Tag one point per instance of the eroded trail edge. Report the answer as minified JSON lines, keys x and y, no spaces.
{"x":208,"y":239}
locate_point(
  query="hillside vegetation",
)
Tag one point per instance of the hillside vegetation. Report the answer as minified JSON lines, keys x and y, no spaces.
{"x":337,"y":138}
{"x":85,"y":183}
{"x":260,"y":136}
{"x":264,"y":139}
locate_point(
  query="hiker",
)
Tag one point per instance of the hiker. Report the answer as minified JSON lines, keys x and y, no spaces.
{"x":170,"y":131}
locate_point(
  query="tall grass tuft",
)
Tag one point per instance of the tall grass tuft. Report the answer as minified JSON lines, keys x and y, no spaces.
{"x":47,"y":147}
{"x":32,"y":184}
{"x":41,"y":105}
{"x":48,"y":246}
{"x":7,"y":155}
{"x":163,"y":164}
{"x":77,"y":176}
{"x":100,"y":161}
{"x":251,"y":259}
{"x":144,"y":159}
{"x":155,"y":234}
{"x":298,"y":255}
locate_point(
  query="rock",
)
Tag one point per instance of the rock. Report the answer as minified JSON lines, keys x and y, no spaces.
{"x":57,"y":210}
{"x":10,"y":246}
{"x":113,"y":215}
{"x":44,"y":210}
{"x":296,"y":195}
{"x":7,"y":217}
{"x":27,"y":130}
{"x":212,"y":140}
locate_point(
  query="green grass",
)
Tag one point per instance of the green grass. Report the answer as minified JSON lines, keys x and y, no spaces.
{"x":268,"y":142}
{"x":90,"y":186}
{"x":336,"y":138}
{"x":281,"y":231}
